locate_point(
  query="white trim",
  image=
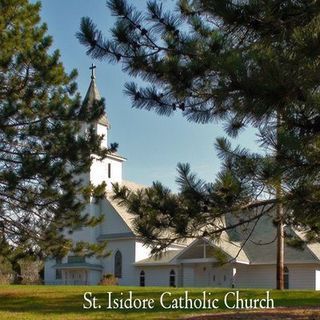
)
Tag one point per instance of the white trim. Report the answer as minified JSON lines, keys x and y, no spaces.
{"x":193,"y":243}
{"x":154,"y":264}
{"x":115,"y":157}
{"x":201,"y":260}
{"x":242,"y":262}
{"x":302,"y":262}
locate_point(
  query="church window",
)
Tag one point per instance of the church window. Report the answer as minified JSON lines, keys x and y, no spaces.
{"x":172,"y":279}
{"x":58,"y":271}
{"x":142,"y":279}
{"x":286,"y":277}
{"x":118,"y":264}
{"x":109,"y":170}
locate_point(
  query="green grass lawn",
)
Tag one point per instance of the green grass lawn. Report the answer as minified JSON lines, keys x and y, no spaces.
{"x":65,"y":302}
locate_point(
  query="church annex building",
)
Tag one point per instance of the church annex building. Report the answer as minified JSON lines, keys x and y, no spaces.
{"x":192,"y":264}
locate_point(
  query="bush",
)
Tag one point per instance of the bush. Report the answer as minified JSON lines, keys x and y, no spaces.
{"x":6,"y":278}
{"x":109,"y":280}
{"x":6,"y":272}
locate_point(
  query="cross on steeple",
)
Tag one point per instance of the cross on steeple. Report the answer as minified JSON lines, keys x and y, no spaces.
{"x":92,"y":68}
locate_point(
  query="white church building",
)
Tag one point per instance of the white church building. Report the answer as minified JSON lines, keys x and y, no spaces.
{"x":251,"y":263}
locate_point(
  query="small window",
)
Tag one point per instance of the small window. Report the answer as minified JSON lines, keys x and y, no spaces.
{"x":109,"y":170}
{"x":118,"y":264}
{"x":76,"y":259}
{"x":214,"y":277}
{"x":224,"y":278}
{"x":142,"y":279}
{"x":58,"y":274}
{"x":172,"y":279}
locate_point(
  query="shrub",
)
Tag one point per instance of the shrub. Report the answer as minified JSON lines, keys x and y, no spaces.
{"x":109,"y":279}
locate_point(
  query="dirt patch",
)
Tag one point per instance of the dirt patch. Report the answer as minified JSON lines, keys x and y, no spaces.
{"x":283,"y":313}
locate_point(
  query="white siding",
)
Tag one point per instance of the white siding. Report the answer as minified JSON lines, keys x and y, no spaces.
{"x":201,"y":275}
{"x":302,"y":276}
{"x":87,"y":234}
{"x":94,"y":277}
{"x":317,"y":279}
{"x":142,"y":252}
{"x":127,"y":249}
{"x":112,"y":222}
{"x":99,"y":169}
{"x":208,"y":275}
{"x":99,"y":172}
{"x":264,"y":276}
{"x":103,"y":131}
{"x":157,"y":275}
{"x":49,"y":272}
{"x":255,"y":276}
{"x":187,"y":275}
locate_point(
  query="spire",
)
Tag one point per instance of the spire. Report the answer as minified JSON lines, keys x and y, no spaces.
{"x":94,"y":95}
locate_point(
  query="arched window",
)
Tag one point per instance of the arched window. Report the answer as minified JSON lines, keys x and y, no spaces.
{"x":142,"y":279}
{"x":286,"y":277}
{"x":172,"y":279}
{"x":118,"y":264}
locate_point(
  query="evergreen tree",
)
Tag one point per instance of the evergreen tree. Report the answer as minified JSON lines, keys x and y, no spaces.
{"x":41,"y":148}
{"x":247,"y":63}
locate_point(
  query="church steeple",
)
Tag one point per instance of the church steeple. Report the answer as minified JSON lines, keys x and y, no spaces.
{"x":94,"y":95}
{"x":109,"y":169}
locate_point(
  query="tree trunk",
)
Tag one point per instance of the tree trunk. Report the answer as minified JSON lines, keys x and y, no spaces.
{"x":280,"y":246}
{"x":280,"y":215}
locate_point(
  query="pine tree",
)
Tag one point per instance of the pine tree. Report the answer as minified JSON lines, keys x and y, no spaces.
{"x":41,"y":148}
{"x":246,"y":63}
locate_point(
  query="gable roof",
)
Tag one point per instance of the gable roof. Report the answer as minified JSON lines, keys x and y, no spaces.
{"x":314,"y":247}
{"x":259,"y":241}
{"x":259,"y":248}
{"x":126,"y":216}
{"x":172,"y":257}
{"x":232,"y":249}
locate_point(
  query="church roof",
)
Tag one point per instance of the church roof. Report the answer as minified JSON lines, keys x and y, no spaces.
{"x":252,"y":243}
{"x":116,"y":156}
{"x":233,"y":249}
{"x":126,"y":216}
{"x":166,"y":258}
{"x":258,"y":241}
{"x":92,"y":96}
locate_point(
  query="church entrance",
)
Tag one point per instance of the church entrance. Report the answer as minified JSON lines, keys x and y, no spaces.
{"x":202,"y":275}
{"x":210,"y":275}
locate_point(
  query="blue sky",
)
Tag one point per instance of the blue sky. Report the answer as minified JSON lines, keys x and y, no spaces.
{"x":152,"y":144}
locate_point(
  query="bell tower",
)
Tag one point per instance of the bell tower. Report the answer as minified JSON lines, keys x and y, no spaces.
{"x":109,"y":169}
